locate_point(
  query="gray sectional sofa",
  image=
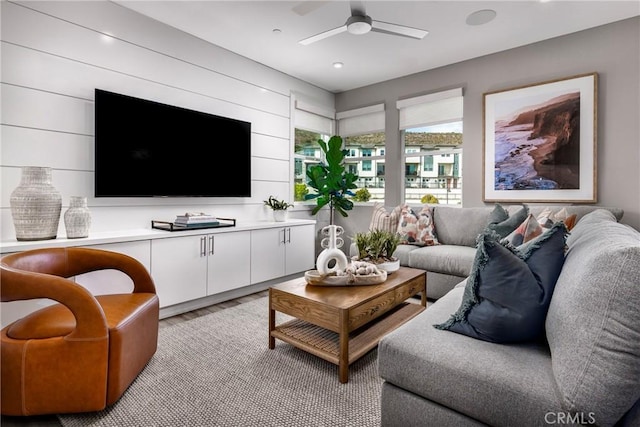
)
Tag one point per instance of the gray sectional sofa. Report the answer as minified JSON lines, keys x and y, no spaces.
{"x":456,"y":228}
{"x":584,"y":371}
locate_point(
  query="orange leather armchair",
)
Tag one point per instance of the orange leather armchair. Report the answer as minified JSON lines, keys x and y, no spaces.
{"x":81,"y":354}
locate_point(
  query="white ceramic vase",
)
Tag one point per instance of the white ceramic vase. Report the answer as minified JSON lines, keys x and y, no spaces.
{"x":332,"y":252}
{"x":77,"y":219}
{"x":35,"y":205}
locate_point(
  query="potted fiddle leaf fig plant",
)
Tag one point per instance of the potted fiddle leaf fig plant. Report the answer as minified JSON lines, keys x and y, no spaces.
{"x":331,"y":180}
{"x":279,"y":208}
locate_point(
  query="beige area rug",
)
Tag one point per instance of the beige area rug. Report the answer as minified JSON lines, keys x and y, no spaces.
{"x":217,"y":370}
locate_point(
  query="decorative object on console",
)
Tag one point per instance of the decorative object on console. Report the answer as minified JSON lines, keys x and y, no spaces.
{"x":172,"y":226}
{"x":332,"y":182}
{"x":279,"y":207}
{"x":77,"y":219}
{"x":196,"y":219}
{"x":35,"y":205}
{"x":331,"y":244}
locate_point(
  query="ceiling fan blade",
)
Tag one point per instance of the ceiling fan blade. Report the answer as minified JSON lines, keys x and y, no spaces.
{"x":323,"y":35}
{"x":398,"y":30}
{"x":357,"y":8}
{"x":305,"y":7}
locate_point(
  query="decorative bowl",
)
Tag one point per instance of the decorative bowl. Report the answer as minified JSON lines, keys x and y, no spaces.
{"x":313,"y":277}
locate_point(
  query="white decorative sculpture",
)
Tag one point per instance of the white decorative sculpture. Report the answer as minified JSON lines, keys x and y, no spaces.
{"x":332,"y":243}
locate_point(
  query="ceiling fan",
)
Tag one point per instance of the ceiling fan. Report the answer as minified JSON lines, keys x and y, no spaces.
{"x":361,"y":23}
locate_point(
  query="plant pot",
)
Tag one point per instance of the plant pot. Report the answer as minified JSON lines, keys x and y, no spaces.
{"x":389,"y":266}
{"x":280,"y":215}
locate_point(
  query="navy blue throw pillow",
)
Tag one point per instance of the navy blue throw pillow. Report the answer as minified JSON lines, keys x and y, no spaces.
{"x":509,"y":290}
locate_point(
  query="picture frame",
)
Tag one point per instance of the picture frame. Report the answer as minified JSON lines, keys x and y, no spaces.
{"x":540,"y":142}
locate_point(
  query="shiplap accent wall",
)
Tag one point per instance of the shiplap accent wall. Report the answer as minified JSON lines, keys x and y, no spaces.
{"x":54,"y":54}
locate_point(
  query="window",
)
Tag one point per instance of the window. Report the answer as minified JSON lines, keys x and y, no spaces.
{"x":311,"y":124}
{"x":431,"y":131}
{"x":363,"y":133}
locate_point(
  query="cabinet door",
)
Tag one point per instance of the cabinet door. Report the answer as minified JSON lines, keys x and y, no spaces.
{"x":267,"y":254}
{"x":179,"y":267}
{"x":300,"y":249}
{"x":229,"y":261}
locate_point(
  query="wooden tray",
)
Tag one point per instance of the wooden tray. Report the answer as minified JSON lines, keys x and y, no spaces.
{"x":313,"y":277}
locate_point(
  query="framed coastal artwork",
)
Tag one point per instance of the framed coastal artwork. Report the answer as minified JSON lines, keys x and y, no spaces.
{"x":540,"y":142}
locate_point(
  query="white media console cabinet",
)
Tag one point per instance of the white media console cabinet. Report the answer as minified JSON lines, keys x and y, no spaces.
{"x":191,"y":268}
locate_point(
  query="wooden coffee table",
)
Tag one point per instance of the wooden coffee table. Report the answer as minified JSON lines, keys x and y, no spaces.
{"x":341,"y":324}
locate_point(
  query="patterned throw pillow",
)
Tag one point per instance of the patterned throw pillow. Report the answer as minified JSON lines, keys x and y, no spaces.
{"x":417,"y":229}
{"x":383,"y":220}
{"x":547,"y":218}
{"x":528,"y":230}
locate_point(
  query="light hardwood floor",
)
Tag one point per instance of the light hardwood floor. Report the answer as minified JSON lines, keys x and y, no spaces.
{"x":52,"y":420}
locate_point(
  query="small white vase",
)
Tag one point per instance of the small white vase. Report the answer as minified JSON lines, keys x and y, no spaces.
{"x":77,"y":219}
{"x":280,"y":215}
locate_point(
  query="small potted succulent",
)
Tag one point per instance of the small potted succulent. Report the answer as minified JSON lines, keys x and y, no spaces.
{"x":377,"y":247}
{"x":279,"y":208}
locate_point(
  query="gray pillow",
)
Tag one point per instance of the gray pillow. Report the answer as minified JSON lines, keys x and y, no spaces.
{"x":508,"y":292}
{"x":504,"y":227}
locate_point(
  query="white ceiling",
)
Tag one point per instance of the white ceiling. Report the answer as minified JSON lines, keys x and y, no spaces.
{"x":246,"y":28}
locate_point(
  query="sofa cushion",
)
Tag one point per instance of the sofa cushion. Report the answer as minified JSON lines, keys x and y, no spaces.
{"x":381,"y":219}
{"x":417,"y":228}
{"x":459,"y":226}
{"x":500,"y":385}
{"x":593,"y":323}
{"x":509,"y":289}
{"x":447,"y":259}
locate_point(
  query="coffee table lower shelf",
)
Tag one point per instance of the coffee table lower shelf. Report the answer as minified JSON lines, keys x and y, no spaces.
{"x":325,"y":344}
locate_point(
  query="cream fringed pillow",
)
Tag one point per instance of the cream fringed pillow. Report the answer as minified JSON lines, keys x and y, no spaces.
{"x":384,"y":220}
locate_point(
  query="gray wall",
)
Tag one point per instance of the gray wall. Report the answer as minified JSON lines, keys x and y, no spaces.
{"x":613,"y":51}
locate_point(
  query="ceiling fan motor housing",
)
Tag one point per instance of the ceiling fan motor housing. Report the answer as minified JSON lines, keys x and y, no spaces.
{"x":359,"y":24}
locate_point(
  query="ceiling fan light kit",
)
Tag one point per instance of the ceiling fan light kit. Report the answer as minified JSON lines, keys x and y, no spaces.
{"x":360,"y":23}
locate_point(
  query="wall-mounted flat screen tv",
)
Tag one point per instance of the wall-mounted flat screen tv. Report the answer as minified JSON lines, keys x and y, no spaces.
{"x":149,"y":149}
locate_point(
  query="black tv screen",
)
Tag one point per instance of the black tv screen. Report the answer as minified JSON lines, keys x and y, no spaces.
{"x":149,"y":149}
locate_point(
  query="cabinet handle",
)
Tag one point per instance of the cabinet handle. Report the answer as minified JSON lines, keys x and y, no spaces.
{"x":211,"y":243}
{"x":203,"y":246}
{"x":288,"y":231}
{"x":284,"y":236}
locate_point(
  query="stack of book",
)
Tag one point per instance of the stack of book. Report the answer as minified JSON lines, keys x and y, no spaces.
{"x":200,"y":219}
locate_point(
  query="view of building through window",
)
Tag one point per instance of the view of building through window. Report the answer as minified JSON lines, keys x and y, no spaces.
{"x":434,"y":172}
{"x":306,"y":153}
{"x":432,"y":169}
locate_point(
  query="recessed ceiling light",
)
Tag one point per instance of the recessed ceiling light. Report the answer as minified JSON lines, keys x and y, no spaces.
{"x":276,"y":31}
{"x":481,"y":17}
{"x":338,"y":65}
